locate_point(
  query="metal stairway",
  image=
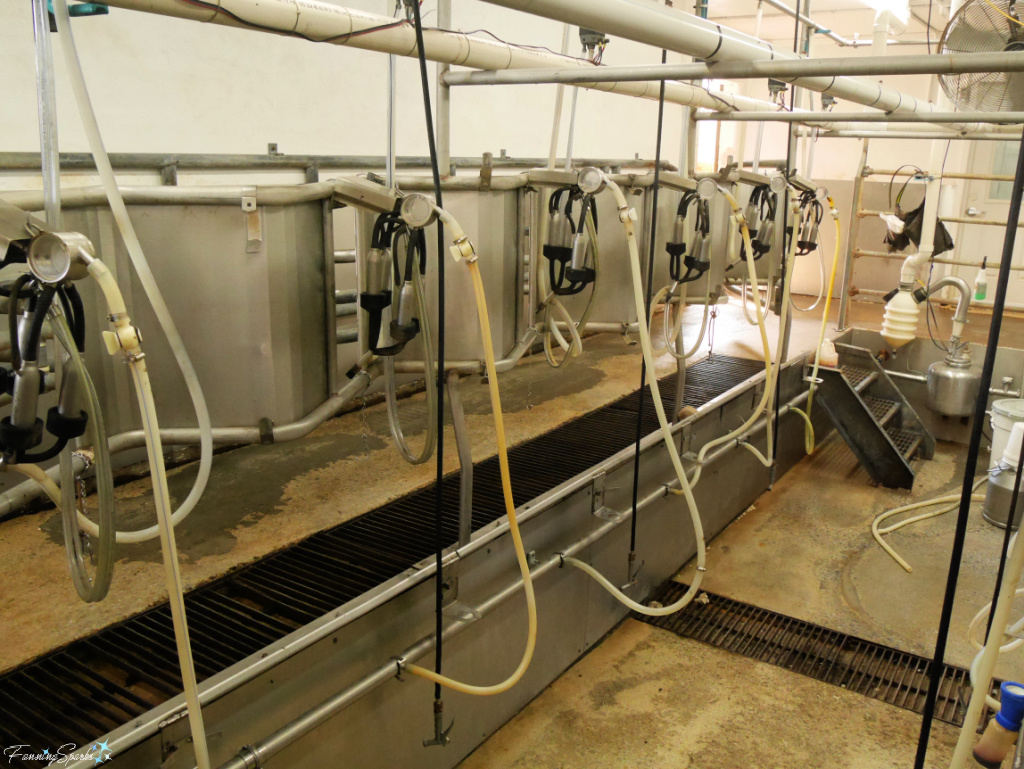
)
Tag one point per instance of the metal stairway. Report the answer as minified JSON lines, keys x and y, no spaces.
{"x":876,"y":421}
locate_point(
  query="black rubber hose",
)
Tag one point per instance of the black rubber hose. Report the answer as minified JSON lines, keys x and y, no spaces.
{"x":78,"y":330}
{"x":44,"y":455}
{"x":12,"y":319}
{"x":35,"y":329}
{"x":973,"y":449}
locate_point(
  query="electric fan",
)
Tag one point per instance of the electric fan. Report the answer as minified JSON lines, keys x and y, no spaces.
{"x":984,"y":26}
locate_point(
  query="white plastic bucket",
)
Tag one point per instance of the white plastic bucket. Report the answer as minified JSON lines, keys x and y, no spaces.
{"x":1005,"y":412}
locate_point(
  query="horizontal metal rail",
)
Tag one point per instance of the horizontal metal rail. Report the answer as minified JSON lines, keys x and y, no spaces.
{"x":154,"y":161}
{"x":945,"y":136}
{"x":864,"y":214}
{"x":860,"y":252}
{"x":864,"y":117}
{"x":925,"y":64}
{"x":945,"y":175}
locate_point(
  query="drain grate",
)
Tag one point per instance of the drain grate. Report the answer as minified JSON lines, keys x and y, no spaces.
{"x":880,"y":672}
{"x":123,"y":671}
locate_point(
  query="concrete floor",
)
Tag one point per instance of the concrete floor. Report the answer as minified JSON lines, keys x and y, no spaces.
{"x":647,"y":698}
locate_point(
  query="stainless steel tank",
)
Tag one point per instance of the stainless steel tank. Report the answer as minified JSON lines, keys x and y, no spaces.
{"x":953,"y":386}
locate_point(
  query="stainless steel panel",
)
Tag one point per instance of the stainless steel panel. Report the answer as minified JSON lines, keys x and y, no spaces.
{"x":253,"y":322}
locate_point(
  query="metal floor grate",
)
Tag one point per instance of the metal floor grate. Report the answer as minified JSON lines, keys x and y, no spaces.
{"x":96,"y":684}
{"x":880,"y":672}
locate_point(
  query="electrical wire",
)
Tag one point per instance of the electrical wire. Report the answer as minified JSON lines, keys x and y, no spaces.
{"x":1001,"y":12}
{"x":648,"y":308}
{"x":439,"y":384}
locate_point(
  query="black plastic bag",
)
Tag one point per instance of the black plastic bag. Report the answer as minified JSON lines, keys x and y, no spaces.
{"x":913,"y":222}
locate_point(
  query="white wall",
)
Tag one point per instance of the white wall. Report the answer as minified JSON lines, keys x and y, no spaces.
{"x":175,"y":86}
{"x":169,"y":85}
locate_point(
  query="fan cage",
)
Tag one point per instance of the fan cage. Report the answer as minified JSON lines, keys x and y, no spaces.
{"x":979,"y":27}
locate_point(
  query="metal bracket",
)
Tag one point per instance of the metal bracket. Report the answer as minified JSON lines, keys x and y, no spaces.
{"x":312,"y":174}
{"x":486,"y":170}
{"x":686,"y":439}
{"x":597,"y":493}
{"x":169,"y":175}
{"x":266,"y":428}
{"x":253,"y":225}
{"x":440,"y":733}
{"x":449,"y":585}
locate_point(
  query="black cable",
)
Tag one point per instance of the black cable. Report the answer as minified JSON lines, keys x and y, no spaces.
{"x":438,"y":492}
{"x":973,"y":449}
{"x":928,"y":27}
{"x":652,"y":238}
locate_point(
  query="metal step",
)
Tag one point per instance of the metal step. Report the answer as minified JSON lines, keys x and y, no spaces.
{"x":104,"y":680}
{"x":859,"y":378}
{"x":881,"y":409}
{"x":907,"y":442}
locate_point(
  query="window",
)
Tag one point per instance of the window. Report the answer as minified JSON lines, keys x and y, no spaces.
{"x":1004,"y":163}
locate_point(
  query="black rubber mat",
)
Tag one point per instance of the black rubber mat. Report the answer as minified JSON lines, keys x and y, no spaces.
{"x":880,"y":672}
{"x":98,"y":683}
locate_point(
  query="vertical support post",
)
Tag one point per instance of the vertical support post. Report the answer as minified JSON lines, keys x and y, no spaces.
{"x":677,"y":397}
{"x":851,"y":240}
{"x":330,"y":315}
{"x":463,"y":446}
{"x":389,"y":156}
{"x":46,"y":100}
{"x":444,"y":99}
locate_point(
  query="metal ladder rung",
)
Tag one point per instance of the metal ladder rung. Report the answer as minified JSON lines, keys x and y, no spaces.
{"x":881,"y":409}
{"x":859,"y":378}
{"x":906,"y":442}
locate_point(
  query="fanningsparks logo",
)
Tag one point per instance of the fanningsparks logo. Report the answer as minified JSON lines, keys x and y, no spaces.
{"x":67,"y":753}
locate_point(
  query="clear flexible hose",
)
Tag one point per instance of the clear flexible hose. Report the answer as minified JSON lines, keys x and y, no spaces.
{"x":506,"y":488}
{"x":553,"y":305}
{"x":672,"y":327}
{"x":391,"y":390}
{"x":766,"y":348}
{"x":626,"y":216}
{"x":951,"y":502}
{"x":985,"y":663}
{"x":138,"y":258}
{"x":809,"y":432}
{"x":768,"y":458}
{"x":96,"y":587}
{"x":821,"y":286}
{"x":1009,"y":646}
